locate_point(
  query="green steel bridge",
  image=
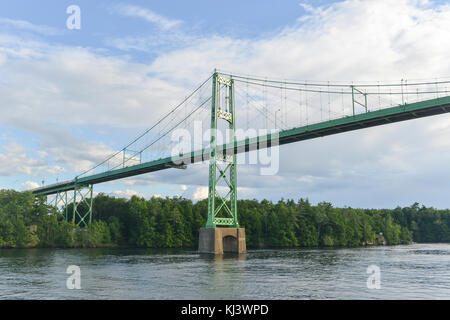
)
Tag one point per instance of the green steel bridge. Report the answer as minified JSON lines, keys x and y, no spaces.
{"x":256,"y":113}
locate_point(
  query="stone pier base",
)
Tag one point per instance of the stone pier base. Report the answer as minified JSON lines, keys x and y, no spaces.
{"x":222,"y":240}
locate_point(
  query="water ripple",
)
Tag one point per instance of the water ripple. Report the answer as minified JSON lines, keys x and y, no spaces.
{"x":419,"y":271}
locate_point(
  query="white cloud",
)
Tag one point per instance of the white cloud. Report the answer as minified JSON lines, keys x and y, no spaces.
{"x":42,"y":86}
{"x":148,"y":15}
{"x":12,"y":46}
{"x":14,"y":161}
{"x":164,"y":40}
{"x":166,"y":37}
{"x":200,"y":193}
{"x":80,"y":87}
{"x":141,"y":180}
{"x":28,"y":185}
{"x":27,"y":26}
{"x":369,"y":40}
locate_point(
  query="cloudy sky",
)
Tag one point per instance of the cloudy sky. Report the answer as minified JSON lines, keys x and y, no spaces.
{"x":71,"y":97}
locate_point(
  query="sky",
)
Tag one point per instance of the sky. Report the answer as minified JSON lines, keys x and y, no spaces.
{"x":71,"y":97}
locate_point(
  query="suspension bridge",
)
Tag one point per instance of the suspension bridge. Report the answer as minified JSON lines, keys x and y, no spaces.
{"x":256,"y":113}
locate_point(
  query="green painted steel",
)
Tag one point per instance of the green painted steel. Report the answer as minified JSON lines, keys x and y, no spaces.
{"x":349,"y":123}
{"x":81,"y":198}
{"x":224,"y":212}
{"x":78,"y":216}
{"x":61,"y":200}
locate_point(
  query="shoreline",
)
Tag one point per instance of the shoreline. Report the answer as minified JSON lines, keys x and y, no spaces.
{"x":251,"y":248}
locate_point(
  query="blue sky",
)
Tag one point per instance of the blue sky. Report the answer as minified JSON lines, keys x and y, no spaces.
{"x":71,"y":97}
{"x":249,"y":18}
{"x":102,"y":20}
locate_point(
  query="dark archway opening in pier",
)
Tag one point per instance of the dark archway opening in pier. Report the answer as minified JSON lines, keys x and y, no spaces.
{"x":230,"y":244}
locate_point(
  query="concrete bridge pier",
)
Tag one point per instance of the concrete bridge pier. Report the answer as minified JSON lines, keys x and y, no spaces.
{"x":222,"y":240}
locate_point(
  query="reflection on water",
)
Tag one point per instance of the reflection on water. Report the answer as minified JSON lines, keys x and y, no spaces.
{"x":226,"y":279}
{"x":419,"y":271}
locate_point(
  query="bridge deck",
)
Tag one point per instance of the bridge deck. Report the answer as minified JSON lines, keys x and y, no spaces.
{"x":360,"y":121}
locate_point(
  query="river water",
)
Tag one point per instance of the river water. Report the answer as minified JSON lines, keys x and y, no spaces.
{"x":418,"y":271}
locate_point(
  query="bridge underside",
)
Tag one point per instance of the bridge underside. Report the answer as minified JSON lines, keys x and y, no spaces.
{"x":367,"y":123}
{"x":349,"y":123}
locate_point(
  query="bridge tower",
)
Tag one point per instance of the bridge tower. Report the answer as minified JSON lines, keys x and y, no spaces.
{"x":222,"y":210}
{"x":80,"y":198}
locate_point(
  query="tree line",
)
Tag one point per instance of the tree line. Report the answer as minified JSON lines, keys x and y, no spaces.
{"x":26,"y":221}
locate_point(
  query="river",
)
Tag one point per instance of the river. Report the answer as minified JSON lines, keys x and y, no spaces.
{"x":417,"y":271}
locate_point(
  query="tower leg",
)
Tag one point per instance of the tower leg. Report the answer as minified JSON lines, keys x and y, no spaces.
{"x":82,"y":217}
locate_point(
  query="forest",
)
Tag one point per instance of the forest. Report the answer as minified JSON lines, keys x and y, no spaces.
{"x":26,"y":221}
